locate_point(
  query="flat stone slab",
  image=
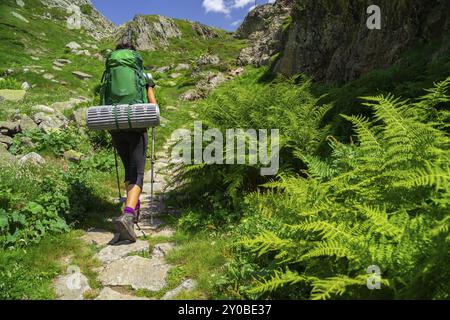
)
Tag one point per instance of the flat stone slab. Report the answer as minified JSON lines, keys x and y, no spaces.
{"x":187,"y":285}
{"x":137,"y":272}
{"x":121,"y":250}
{"x":110,"y":294}
{"x":71,"y":286}
{"x":100,"y":237}
{"x":12,"y":95}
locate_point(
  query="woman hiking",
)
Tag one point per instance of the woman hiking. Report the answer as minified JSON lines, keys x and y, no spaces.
{"x":127,"y":83}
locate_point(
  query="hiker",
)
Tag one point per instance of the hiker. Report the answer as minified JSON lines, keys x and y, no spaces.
{"x":127,"y":83}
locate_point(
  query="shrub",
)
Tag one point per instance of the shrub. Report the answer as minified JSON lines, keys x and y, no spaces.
{"x":382,"y":201}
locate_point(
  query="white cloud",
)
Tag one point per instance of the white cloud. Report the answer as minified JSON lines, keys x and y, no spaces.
{"x":215,"y":6}
{"x":242,"y":3}
{"x":271,"y":1}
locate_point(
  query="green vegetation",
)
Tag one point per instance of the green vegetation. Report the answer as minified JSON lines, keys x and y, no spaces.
{"x":363,"y":180}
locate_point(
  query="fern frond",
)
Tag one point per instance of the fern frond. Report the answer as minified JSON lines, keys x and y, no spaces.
{"x":279,"y":280}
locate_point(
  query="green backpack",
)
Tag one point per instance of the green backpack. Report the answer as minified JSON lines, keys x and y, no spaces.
{"x":124,"y":80}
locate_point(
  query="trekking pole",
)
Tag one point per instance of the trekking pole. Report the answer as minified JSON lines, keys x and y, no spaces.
{"x":152,"y":172}
{"x":117,"y":174}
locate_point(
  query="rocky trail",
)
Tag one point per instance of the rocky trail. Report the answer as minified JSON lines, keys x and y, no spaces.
{"x":127,"y":267}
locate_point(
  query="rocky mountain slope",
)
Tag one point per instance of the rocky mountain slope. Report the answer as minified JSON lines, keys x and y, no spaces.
{"x":148,"y":33}
{"x":91,"y":19}
{"x":264,"y":29}
{"x":330,"y":41}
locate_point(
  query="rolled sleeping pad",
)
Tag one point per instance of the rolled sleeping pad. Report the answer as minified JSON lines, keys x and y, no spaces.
{"x":136,"y":116}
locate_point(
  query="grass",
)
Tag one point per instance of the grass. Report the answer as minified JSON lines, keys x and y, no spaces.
{"x":28,"y":273}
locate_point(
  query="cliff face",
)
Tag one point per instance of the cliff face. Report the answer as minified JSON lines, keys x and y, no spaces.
{"x":330,"y":39}
{"x":152,"y":32}
{"x":91,"y":20}
{"x":263,"y":27}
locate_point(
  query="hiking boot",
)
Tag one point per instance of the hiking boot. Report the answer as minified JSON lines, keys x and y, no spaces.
{"x":125,"y":226}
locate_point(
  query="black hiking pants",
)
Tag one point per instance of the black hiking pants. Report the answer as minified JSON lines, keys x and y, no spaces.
{"x":132,"y":149}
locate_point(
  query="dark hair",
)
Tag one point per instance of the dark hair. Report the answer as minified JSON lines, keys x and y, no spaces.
{"x":125,"y":45}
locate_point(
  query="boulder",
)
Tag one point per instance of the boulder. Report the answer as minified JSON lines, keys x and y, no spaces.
{"x":190,"y":95}
{"x":175,"y":75}
{"x":182,"y":66}
{"x":79,"y":116}
{"x":26,"y":123}
{"x":6,"y":140}
{"x":9,"y":127}
{"x":73,"y":45}
{"x":71,"y":286}
{"x":54,"y":123}
{"x":237,"y":72}
{"x":42,"y":109}
{"x":82,"y":75}
{"x":208,"y":59}
{"x":12,"y":95}
{"x":32,"y":158}
{"x":40,"y":117}
{"x":162,"y":69}
{"x":73,"y":156}
{"x":62,"y":62}
{"x":48,"y":76}
{"x":5,"y":156}
{"x":8,"y":72}
{"x":25,"y":85}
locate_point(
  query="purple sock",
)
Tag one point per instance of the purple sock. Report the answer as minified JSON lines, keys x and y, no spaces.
{"x":128,"y":211}
{"x":138,"y":206}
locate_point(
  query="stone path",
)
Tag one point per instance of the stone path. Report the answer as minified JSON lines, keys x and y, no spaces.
{"x":131,"y":265}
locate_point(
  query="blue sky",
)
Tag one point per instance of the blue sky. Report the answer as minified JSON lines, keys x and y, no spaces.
{"x":225,"y":14}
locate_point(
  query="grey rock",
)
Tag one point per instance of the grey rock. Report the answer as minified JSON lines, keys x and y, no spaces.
{"x":237,"y":72}
{"x":5,"y":156}
{"x":182,"y":66}
{"x":336,"y":48}
{"x":162,"y":249}
{"x":149,"y":33}
{"x":190,"y":95}
{"x":20,"y":3}
{"x":26,"y":123}
{"x":48,"y":76}
{"x":6,"y":140}
{"x":163,"y":69}
{"x":25,"y":85}
{"x":204,"y":31}
{"x":208,"y":59}
{"x":187,"y":285}
{"x":9,"y":72}
{"x":73,"y":45}
{"x":62,"y":62}
{"x":137,"y":272}
{"x":100,"y":237}
{"x":9,"y":127}
{"x":264,"y":29}
{"x":82,"y":75}
{"x":39,"y":117}
{"x":53,"y":123}
{"x":175,"y":75}
{"x":27,"y":142}
{"x":71,"y":286}
{"x":79,"y":116}
{"x":110,"y":294}
{"x":42,"y":109}
{"x":121,"y":250}
{"x":32,"y":158}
